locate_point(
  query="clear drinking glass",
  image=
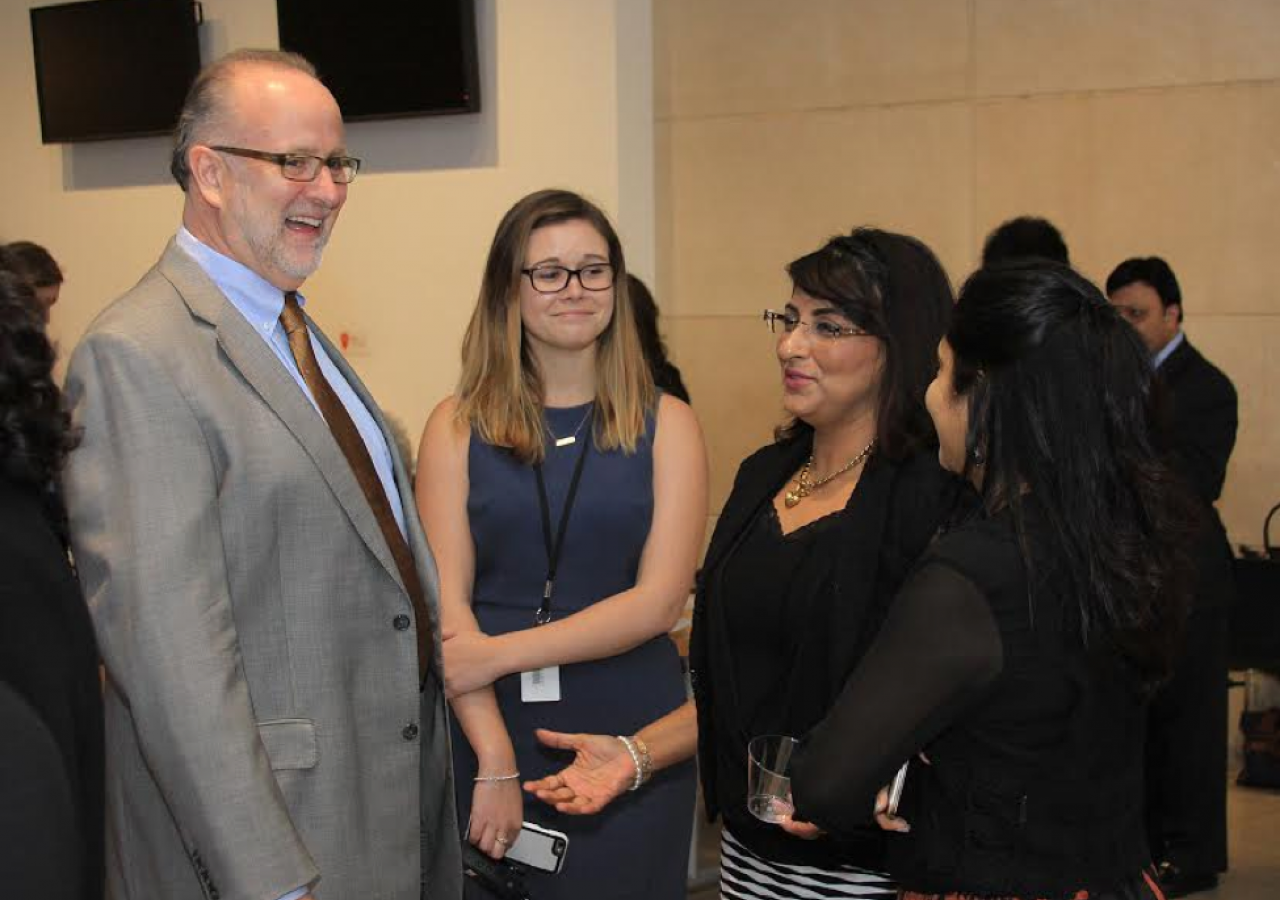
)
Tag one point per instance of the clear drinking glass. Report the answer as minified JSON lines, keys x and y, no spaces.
{"x":769,"y":776}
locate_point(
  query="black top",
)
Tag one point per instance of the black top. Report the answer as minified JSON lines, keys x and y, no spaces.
{"x":1033,"y":785}
{"x":37,"y":813}
{"x":49,"y":659}
{"x":766,"y":621}
{"x":780,"y":622}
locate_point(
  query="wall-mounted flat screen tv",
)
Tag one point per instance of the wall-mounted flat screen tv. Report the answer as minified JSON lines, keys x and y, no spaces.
{"x":388,"y":59}
{"x":113,"y":68}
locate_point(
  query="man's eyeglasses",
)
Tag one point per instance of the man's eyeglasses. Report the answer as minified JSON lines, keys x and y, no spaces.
{"x":823,"y":329}
{"x":300,"y":166}
{"x":553,"y":279}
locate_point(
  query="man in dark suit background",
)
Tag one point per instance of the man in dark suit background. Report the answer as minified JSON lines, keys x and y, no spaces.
{"x":1187,"y":736}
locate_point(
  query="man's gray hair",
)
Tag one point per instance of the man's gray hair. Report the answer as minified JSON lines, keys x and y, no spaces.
{"x":204,"y":105}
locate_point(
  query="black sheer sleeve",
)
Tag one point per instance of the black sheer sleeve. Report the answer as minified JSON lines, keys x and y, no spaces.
{"x":938,"y":649}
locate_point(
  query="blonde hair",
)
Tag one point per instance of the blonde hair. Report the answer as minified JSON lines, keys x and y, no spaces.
{"x":500,"y":392}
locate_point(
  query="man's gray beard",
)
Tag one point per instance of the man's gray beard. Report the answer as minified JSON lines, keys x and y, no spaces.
{"x":280,"y":258}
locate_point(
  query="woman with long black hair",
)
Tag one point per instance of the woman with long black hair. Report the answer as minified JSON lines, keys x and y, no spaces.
{"x":51,"y":739}
{"x":1013,"y":667}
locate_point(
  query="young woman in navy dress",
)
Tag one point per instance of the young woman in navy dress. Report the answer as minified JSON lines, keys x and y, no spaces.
{"x":565,"y":501}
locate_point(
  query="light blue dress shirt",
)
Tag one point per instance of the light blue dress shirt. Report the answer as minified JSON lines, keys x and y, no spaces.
{"x":261,"y":303}
{"x":1168,"y":349}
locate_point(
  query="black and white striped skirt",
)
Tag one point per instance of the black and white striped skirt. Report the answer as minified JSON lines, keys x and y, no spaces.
{"x":744,"y":874}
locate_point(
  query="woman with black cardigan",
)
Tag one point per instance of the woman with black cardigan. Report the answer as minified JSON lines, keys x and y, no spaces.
{"x":1014,"y":666}
{"x":820,"y":530}
{"x":51,"y":741}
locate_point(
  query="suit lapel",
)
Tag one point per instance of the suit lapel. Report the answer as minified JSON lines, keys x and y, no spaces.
{"x":422,"y":558}
{"x":258,"y":365}
{"x":1173,"y":367}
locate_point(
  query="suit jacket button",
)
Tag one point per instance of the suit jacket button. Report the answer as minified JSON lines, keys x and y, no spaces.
{"x":400,"y":623}
{"x":410,"y":732}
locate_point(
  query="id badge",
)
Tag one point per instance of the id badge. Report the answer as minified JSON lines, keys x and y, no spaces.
{"x":540,"y":685}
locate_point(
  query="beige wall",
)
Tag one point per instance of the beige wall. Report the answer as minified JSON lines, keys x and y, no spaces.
{"x":567,"y":102}
{"x":1138,"y":126}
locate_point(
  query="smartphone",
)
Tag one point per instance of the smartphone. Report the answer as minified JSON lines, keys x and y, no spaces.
{"x":895,"y":789}
{"x":540,"y":848}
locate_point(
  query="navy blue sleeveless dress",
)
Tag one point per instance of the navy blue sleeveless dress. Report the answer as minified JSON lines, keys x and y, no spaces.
{"x":638,"y":846}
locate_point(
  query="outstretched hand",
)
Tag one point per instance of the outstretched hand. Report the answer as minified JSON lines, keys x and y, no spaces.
{"x":601,"y":770}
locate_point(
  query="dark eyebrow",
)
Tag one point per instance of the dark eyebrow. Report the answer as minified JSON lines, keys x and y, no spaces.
{"x":555,"y":260}
{"x":831,"y":310}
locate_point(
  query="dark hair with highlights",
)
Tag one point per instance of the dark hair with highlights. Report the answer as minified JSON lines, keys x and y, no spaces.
{"x":35,"y":429}
{"x":500,"y":390}
{"x":892,"y":286}
{"x":1060,"y":393}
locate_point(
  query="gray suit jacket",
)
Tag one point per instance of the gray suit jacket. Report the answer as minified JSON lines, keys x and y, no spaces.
{"x":264,"y":724}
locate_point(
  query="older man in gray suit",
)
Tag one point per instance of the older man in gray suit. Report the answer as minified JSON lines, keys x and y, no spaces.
{"x":263,"y":595}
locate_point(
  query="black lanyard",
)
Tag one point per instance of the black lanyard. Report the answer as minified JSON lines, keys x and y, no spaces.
{"x":553,"y":550}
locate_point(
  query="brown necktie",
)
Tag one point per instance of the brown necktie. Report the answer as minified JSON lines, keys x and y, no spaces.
{"x":357,"y":454}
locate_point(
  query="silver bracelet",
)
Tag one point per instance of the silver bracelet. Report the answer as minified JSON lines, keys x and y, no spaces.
{"x":639,"y":753}
{"x":646,"y":761}
{"x":635,"y":758}
{"x":514,"y":776}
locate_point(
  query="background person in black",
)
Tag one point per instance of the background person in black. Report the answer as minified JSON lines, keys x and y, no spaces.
{"x":1018,"y":656}
{"x":37,"y":267}
{"x":792,"y":590}
{"x":665,"y":374}
{"x":51,"y":815}
{"x":1187,"y":738}
{"x":1025,"y":237}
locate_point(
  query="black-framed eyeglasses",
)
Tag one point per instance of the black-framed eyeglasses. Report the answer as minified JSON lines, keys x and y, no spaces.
{"x":553,"y":279}
{"x":823,"y":329}
{"x":300,"y":166}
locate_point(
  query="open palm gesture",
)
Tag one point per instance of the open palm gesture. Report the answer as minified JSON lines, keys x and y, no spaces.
{"x":601,"y":770}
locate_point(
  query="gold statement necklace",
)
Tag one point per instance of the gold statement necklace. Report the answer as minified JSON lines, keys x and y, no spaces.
{"x":806,"y":484}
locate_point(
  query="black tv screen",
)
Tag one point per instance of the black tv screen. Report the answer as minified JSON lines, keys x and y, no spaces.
{"x":113,"y":68}
{"x":386,"y":59}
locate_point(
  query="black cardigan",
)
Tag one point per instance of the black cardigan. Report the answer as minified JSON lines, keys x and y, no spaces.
{"x":49,"y":660}
{"x":892,"y":515}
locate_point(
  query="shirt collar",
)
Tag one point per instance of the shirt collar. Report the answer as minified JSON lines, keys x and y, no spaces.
{"x":1167,"y":350}
{"x":257,"y":299}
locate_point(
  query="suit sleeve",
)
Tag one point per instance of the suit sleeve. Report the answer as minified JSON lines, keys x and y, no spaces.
{"x":143,"y":498}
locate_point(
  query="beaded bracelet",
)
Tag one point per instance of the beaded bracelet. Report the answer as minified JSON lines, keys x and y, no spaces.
{"x":639,"y":753}
{"x":646,"y":761}
{"x":514,"y":776}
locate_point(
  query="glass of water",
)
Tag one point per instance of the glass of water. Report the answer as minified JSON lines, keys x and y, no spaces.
{"x":769,"y":777}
